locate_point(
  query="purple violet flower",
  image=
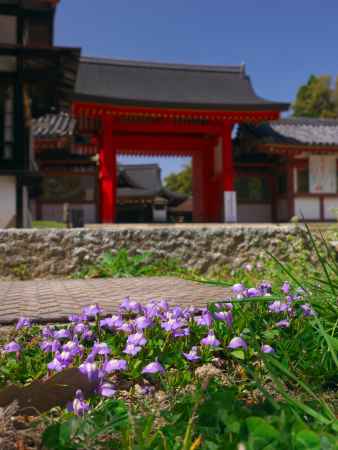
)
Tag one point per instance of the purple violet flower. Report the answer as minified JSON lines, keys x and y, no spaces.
{"x":176,"y":311}
{"x":192,"y":355}
{"x":253,"y":292}
{"x":126,"y":327}
{"x":62,"y":334}
{"x":90,"y":357}
{"x":50,"y":346}
{"x":112,"y":322}
{"x":267,"y":349}
{"x":131,"y":306}
{"x":80,"y":328}
{"x":278,"y":307}
{"x":92,"y":310}
{"x":88,"y":334}
{"x":75,"y":318}
{"x":115,"y":365}
{"x":101,"y":349}
{"x":153,"y":367}
{"x":210,"y":340}
{"x":137,"y":339}
{"x":60,"y":362}
{"x":89,"y":369}
{"x":265,"y":287}
{"x":237,"y":342}
{"x":172,"y":324}
{"x":204,"y":320}
{"x":286,"y":287}
{"x":238,"y":288}
{"x":283,"y":324}
{"x":106,"y":390}
{"x":73,"y":347}
{"x":226,"y":316}
{"x":181,"y":332}
{"x":151,"y":310}
{"x":78,"y":406}
{"x":12,"y":347}
{"x":248,"y":267}
{"x":307,"y":310}
{"x":229,"y":306}
{"x":23,"y":322}
{"x":163,"y":305}
{"x":142,"y":322}
{"x":132,"y":349}
{"x":189,"y":312}
{"x":65,"y":357}
{"x":47,"y":332}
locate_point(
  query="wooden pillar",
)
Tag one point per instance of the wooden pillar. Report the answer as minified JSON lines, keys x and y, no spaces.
{"x":197,"y":186}
{"x":208,"y":184}
{"x":290,"y":188}
{"x":229,"y":193}
{"x":107,"y":172}
{"x":274,"y":199}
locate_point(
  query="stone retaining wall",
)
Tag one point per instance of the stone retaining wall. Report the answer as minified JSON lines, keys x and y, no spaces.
{"x":59,"y":253}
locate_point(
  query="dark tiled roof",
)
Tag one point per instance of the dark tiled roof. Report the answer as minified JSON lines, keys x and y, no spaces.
{"x":297,"y":131}
{"x":142,"y":176}
{"x":135,"y":192}
{"x":53,"y":126}
{"x":172,"y":85}
{"x":144,"y":180}
{"x":30,"y":4}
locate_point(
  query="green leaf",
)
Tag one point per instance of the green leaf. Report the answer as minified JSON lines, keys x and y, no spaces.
{"x":271,"y":334}
{"x":68,"y":430}
{"x":335,"y":426}
{"x":50,"y":437}
{"x":239,"y":354}
{"x":261,"y":434}
{"x":307,"y":440}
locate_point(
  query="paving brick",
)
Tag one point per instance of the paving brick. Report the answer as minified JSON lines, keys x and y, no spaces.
{"x":54,"y":300}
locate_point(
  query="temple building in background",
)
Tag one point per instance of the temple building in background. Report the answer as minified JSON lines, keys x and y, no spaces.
{"x":65,"y":119}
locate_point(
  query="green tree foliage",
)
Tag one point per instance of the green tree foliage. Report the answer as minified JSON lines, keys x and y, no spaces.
{"x":181,"y":181}
{"x":317,"y":98}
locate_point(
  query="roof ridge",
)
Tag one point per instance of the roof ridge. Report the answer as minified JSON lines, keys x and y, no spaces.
{"x":240,"y":68}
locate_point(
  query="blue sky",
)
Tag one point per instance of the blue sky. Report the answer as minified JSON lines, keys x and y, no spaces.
{"x":281,"y":42}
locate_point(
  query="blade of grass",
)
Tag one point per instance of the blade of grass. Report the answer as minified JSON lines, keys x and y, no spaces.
{"x":287,"y":271}
{"x":306,"y":388}
{"x":298,"y":404}
{"x":320,"y":258}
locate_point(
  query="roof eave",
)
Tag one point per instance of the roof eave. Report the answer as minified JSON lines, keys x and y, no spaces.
{"x":268,"y":106}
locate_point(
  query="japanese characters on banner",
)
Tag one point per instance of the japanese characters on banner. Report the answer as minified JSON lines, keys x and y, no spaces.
{"x":322,"y":173}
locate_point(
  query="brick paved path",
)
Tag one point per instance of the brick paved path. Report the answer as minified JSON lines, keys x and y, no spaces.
{"x":53,"y":300}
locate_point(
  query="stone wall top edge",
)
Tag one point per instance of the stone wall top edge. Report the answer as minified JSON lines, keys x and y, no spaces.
{"x":155,"y":228}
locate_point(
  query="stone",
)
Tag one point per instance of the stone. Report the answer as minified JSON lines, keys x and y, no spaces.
{"x":205,"y":248}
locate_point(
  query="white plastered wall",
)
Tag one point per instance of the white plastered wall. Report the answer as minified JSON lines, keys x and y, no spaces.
{"x":7,"y":200}
{"x":330,"y":208}
{"x":309,"y":208}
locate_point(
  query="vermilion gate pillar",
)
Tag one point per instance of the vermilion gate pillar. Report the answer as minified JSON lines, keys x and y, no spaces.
{"x":107,"y":172}
{"x":230,"y":200}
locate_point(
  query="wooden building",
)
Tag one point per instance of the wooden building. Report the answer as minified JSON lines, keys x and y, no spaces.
{"x":289,"y":168}
{"x":34,"y":77}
